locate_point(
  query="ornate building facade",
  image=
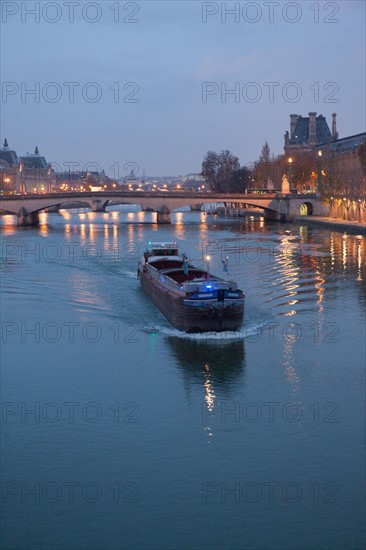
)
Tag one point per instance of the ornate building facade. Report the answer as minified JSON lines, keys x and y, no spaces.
{"x":307,"y":133}
{"x":337,"y":170}
{"x":37,"y":176}
{"x":312,"y":133}
{"x":26,"y":174}
{"x":9,"y":170}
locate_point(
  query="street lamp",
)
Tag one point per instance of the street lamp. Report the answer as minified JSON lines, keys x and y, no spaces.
{"x":346,"y":208}
{"x":320,"y":173}
{"x":290,"y":172}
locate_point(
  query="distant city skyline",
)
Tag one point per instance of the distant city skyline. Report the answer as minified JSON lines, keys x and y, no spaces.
{"x":156,"y":85}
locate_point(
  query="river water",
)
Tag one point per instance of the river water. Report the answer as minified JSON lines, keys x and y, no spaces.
{"x":120,"y":432}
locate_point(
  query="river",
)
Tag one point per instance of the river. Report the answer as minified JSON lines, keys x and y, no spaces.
{"x":120,"y":432}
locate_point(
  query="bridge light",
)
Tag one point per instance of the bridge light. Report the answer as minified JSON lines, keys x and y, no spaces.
{"x":290,"y":160}
{"x":320,"y":153}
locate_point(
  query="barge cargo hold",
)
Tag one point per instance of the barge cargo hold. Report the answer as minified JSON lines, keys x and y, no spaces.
{"x":192,"y":299}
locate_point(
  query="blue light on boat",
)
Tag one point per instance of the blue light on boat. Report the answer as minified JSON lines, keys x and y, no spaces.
{"x":208,"y":287}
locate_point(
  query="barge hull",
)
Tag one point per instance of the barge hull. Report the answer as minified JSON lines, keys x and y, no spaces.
{"x":188,"y":318}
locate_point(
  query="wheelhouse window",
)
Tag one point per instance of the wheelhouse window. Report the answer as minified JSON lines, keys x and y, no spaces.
{"x":165,"y":252}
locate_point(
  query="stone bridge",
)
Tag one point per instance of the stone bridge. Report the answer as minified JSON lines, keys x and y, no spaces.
{"x":275,"y":206}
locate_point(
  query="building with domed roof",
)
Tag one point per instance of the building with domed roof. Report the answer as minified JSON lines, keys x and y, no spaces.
{"x":9,"y":169}
{"x":27,"y":174}
{"x":37,"y":176}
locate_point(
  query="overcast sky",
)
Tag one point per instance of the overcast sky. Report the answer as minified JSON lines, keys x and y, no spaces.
{"x":149,"y":78}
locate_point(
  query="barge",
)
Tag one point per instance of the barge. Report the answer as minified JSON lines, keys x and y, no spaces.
{"x":192,"y":299}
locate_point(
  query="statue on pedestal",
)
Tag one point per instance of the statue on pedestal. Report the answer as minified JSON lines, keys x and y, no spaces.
{"x":285,"y":187}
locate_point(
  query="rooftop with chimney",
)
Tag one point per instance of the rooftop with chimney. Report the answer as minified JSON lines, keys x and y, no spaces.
{"x":309,"y":132}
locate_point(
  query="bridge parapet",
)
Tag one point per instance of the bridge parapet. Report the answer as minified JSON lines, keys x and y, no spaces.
{"x":275,"y":206}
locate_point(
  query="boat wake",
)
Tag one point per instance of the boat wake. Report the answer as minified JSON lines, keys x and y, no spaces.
{"x":253,"y":329}
{"x":128,"y":274}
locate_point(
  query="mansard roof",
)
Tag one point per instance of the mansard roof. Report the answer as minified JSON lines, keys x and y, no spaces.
{"x":346,"y":144}
{"x":301,"y":134}
{"x":8,"y":155}
{"x":35,"y":161}
{"x":361,"y":136}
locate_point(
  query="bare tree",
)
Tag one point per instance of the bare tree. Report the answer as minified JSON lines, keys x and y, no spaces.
{"x":219,"y":170}
{"x":265,"y":167}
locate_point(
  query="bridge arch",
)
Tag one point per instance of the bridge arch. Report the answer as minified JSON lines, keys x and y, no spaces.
{"x":66,"y":205}
{"x":306,"y":209}
{"x":272,"y":212}
{"x":275,"y":206}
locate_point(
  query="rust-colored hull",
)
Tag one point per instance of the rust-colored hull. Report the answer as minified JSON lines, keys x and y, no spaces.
{"x":190,"y":319}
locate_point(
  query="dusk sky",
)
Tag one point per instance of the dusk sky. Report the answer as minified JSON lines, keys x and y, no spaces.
{"x":168,"y":54}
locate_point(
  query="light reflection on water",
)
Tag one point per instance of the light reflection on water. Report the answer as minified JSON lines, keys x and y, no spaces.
{"x":84,"y":291}
{"x":308,"y":284}
{"x":8,"y":224}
